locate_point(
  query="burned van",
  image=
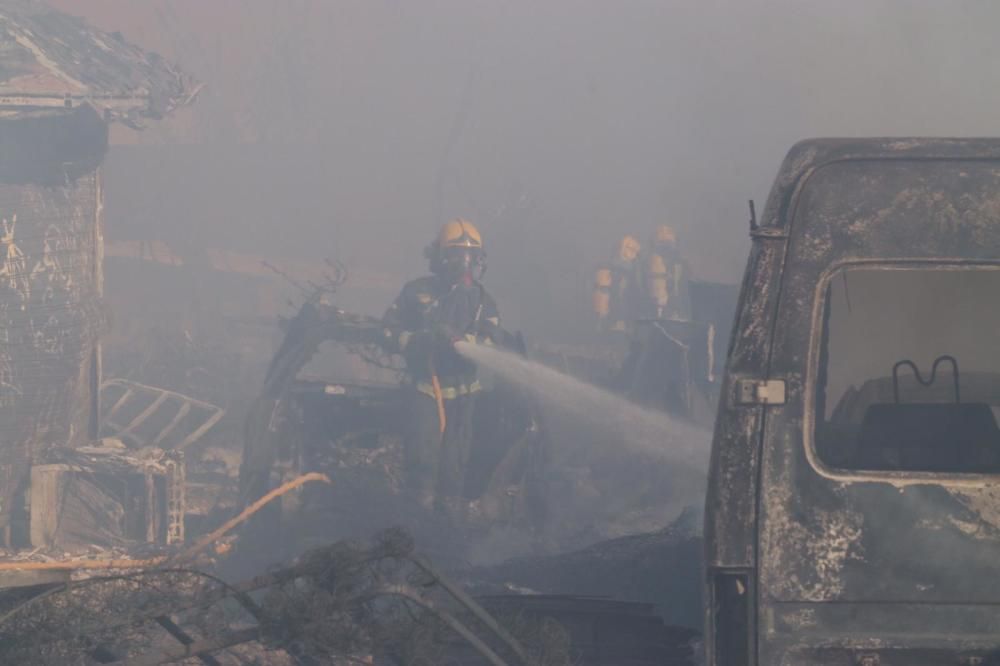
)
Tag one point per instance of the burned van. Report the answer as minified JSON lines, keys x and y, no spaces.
{"x":853,"y":510}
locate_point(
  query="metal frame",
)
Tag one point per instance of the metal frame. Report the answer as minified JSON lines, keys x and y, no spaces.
{"x":160,"y":398}
{"x":188,"y":647}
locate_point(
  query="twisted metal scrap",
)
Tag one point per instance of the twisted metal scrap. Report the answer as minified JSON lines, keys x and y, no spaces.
{"x":341,"y":601}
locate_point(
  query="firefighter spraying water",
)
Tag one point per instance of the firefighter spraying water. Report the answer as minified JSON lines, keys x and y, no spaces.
{"x":423,"y":324}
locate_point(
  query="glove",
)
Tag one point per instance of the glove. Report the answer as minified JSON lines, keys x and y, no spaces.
{"x":444,"y":342}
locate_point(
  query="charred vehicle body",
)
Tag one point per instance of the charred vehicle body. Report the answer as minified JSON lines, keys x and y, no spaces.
{"x":348,"y":419}
{"x":853,"y":510}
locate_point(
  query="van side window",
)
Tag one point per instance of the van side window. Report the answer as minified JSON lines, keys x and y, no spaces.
{"x":909,"y":370}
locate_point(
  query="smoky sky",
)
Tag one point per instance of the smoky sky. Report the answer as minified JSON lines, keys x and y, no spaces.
{"x":351,"y":129}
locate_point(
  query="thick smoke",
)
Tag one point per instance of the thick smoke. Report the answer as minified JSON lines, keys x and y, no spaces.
{"x":349,"y":129}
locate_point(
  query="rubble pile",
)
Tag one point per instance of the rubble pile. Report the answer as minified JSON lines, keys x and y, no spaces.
{"x":344,"y":603}
{"x":662,"y":568}
{"x":133,"y":425}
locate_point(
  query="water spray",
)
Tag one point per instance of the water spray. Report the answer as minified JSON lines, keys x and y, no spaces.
{"x":619,"y":421}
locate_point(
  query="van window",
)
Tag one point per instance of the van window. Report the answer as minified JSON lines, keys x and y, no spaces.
{"x":909,"y":370}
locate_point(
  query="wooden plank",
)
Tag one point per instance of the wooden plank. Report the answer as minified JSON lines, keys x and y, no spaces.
{"x":118,"y":405}
{"x":32,"y":577}
{"x":174,"y":422}
{"x":46,"y":491}
{"x":146,"y":413}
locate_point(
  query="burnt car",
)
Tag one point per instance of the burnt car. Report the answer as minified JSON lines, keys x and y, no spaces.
{"x":332,"y":402}
{"x":853,"y":508}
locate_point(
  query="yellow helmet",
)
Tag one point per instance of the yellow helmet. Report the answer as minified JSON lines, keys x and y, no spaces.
{"x":628,"y":249}
{"x":459,"y":233}
{"x":665,"y":235}
{"x":458,"y":251}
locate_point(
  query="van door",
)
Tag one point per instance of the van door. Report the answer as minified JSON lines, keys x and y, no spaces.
{"x":879,"y":501}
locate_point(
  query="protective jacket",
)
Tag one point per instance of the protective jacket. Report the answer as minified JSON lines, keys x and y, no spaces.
{"x":426,"y":319}
{"x":666,"y":280}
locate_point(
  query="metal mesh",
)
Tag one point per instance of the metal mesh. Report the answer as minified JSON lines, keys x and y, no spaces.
{"x":49,"y":321}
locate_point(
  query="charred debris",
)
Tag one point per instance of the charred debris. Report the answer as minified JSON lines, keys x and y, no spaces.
{"x":143,"y":467}
{"x":60,"y":85}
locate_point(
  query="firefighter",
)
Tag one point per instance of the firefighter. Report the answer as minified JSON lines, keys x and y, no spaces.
{"x":618,"y":287}
{"x":430,"y":315}
{"x":666,"y":277}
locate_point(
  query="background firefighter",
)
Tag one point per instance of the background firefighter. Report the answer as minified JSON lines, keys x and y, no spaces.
{"x":618,"y":291}
{"x":423,"y":324}
{"x":648,"y":282}
{"x":666,"y":277}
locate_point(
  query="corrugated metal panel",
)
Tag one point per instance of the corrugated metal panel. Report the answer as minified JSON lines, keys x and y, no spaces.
{"x":49,"y":321}
{"x":46,"y":55}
